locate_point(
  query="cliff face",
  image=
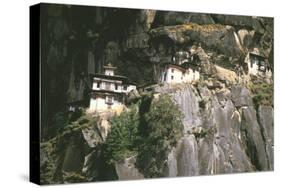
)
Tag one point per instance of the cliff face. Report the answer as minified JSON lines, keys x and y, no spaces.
{"x":224,"y":135}
{"x":227,"y":124}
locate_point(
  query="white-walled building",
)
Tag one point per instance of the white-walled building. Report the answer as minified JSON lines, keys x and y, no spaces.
{"x":257,"y":65}
{"x":181,"y":57}
{"x":180,"y":74}
{"x":109,"y":91}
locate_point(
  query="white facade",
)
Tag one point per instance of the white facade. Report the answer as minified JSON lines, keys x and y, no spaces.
{"x":104,"y":103}
{"x":257,"y":66}
{"x":109,"y":92}
{"x":174,"y":74}
{"x":109,"y":72}
{"x":112,"y":85}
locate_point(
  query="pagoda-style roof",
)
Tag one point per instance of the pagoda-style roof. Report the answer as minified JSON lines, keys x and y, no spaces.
{"x":192,"y":65}
{"x":257,"y":56}
{"x":109,"y":77}
{"x":175,"y":66}
{"x":103,"y":91}
{"x":109,"y":66}
{"x":124,"y":79}
{"x":184,"y":66}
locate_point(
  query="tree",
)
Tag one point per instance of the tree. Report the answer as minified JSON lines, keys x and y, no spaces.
{"x":122,"y":136}
{"x":163,"y":129}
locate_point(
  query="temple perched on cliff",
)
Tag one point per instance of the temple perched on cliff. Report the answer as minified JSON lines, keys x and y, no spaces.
{"x":173,"y":73}
{"x":184,"y":68}
{"x":258,"y":65}
{"x":109,"y":91}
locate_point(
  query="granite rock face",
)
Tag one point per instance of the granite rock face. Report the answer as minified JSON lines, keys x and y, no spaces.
{"x":126,"y":169}
{"x":224,"y":136}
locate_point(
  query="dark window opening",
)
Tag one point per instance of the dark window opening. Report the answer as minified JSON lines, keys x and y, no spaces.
{"x":172,"y":70}
{"x":125,"y":87}
{"x":116,"y":87}
{"x":109,"y":100}
{"x":172,"y":77}
{"x":98,"y":85}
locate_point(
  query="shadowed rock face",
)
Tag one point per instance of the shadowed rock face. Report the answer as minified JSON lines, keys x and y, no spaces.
{"x":212,"y":36}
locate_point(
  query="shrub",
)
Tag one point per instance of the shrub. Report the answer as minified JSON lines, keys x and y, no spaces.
{"x":163,"y":129}
{"x":262,"y":93}
{"x":122,"y":136}
{"x":74,"y":177}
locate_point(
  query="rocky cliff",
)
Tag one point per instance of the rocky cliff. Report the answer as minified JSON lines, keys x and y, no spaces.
{"x":227,"y":119}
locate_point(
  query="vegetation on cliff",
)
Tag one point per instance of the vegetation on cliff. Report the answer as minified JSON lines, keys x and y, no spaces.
{"x":149,"y":135}
{"x":262,"y":93}
{"x":162,"y":127}
{"x":121,"y":139}
{"x":55,"y":149}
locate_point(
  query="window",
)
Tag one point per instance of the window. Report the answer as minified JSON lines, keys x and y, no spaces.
{"x":172,"y":77}
{"x":252,"y":62}
{"x":172,"y":70}
{"x":125,"y":87}
{"x":116,"y":87}
{"x":98,"y":84}
{"x":109,"y":100}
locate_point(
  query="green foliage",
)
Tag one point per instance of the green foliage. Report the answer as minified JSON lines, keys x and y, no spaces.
{"x":263,"y":93}
{"x":149,"y":132}
{"x":52,"y":149}
{"x":163,"y":129}
{"x":122,"y":136}
{"x":47,"y":168}
{"x":74,"y":177}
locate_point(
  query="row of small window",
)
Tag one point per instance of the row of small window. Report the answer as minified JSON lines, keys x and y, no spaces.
{"x":172,"y":77}
{"x":256,"y":61}
{"x":107,"y":86}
